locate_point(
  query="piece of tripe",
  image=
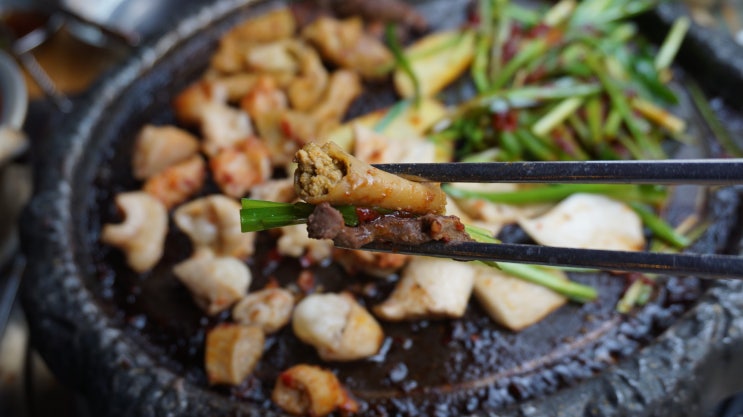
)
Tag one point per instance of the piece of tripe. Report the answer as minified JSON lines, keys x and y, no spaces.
{"x":588,"y":221}
{"x":513,"y":302}
{"x":328,"y":174}
{"x":429,"y":287}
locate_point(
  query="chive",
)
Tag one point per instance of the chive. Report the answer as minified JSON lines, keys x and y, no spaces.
{"x":535,"y":145}
{"x":401,"y":60}
{"x":559,"y":13}
{"x":630,"y":297}
{"x":393,"y":113}
{"x":720,"y":132}
{"x":557,"y":192}
{"x":572,"y":290}
{"x":510,"y":145}
{"x":479,"y":69}
{"x":659,"y":116}
{"x":556,"y":116}
{"x":660,"y":227}
{"x":501,"y":33}
{"x":644,"y":146}
{"x":534,"y":274}
{"x":257,"y":215}
{"x":613,"y":123}
{"x":671,"y":45}
{"x":594,"y":118}
{"x":528,"y":53}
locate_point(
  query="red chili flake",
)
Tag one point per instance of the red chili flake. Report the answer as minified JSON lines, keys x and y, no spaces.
{"x":366,"y":215}
{"x":538,"y":31}
{"x":287,"y":379}
{"x":286,"y":128}
{"x":505,"y":122}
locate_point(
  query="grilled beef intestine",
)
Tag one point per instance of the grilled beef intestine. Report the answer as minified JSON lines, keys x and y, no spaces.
{"x":327,"y":223}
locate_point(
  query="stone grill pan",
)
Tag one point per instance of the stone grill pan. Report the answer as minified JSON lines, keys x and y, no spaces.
{"x":133,"y":344}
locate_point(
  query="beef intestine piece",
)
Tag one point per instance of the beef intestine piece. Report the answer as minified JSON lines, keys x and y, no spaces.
{"x":328,"y":174}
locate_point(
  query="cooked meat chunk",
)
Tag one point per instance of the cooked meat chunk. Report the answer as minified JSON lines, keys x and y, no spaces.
{"x":273,"y":57}
{"x":270,"y":309}
{"x":214,"y":283}
{"x":223,"y":127}
{"x":328,"y":174}
{"x":238,"y":168}
{"x":343,"y":88}
{"x":230,"y":56}
{"x":232,"y":351}
{"x":141,"y":235}
{"x":272,"y":26}
{"x":345,"y":43}
{"x":214,"y":227}
{"x":159,"y":147}
{"x":376,"y":264}
{"x":325,"y":222}
{"x":280,"y":190}
{"x":337,"y":326}
{"x":374,"y":148}
{"x":264,"y":98}
{"x":308,"y":87}
{"x":191,"y":103}
{"x":177,"y":183}
{"x":311,"y":390}
{"x":429,"y":287}
{"x":295,"y":242}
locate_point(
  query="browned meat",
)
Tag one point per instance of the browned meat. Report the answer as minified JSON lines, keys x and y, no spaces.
{"x":327,"y":223}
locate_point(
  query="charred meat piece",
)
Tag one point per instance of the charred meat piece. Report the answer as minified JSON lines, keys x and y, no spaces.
{"x":311,"y":390}
{"x":327,"y":223}
{"x":232,"y":351}
{"x":345,"y":43}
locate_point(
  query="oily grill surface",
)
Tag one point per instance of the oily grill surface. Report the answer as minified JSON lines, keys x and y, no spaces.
{"x":447,"y":367}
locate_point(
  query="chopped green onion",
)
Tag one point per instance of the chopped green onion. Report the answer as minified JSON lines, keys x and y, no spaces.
{"x":402,"y":60}
{"x":257,"y":215}
{"x":557,"y":192}
{"x":396,"y":110}
{"x":720,"y":132}
{"x":534,"y":274}
{"x":660,"y":227}
{"x":672,"y":43}
{"x":557,"y":115}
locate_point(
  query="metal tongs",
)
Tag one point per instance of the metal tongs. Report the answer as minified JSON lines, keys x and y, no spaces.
{"x":666,"y":172}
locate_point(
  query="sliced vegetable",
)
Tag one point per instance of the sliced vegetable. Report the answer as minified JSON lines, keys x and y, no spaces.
{"x":436,"y":60}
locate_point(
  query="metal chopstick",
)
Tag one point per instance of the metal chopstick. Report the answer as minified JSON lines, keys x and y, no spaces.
{"x":689,"y":171}
{"x":683,"y":264}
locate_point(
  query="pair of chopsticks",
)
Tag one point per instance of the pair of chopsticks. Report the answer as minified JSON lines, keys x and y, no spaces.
{"x":696,"y":171}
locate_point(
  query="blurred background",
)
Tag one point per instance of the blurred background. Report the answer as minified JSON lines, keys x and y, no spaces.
{"x":51,"y":53}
